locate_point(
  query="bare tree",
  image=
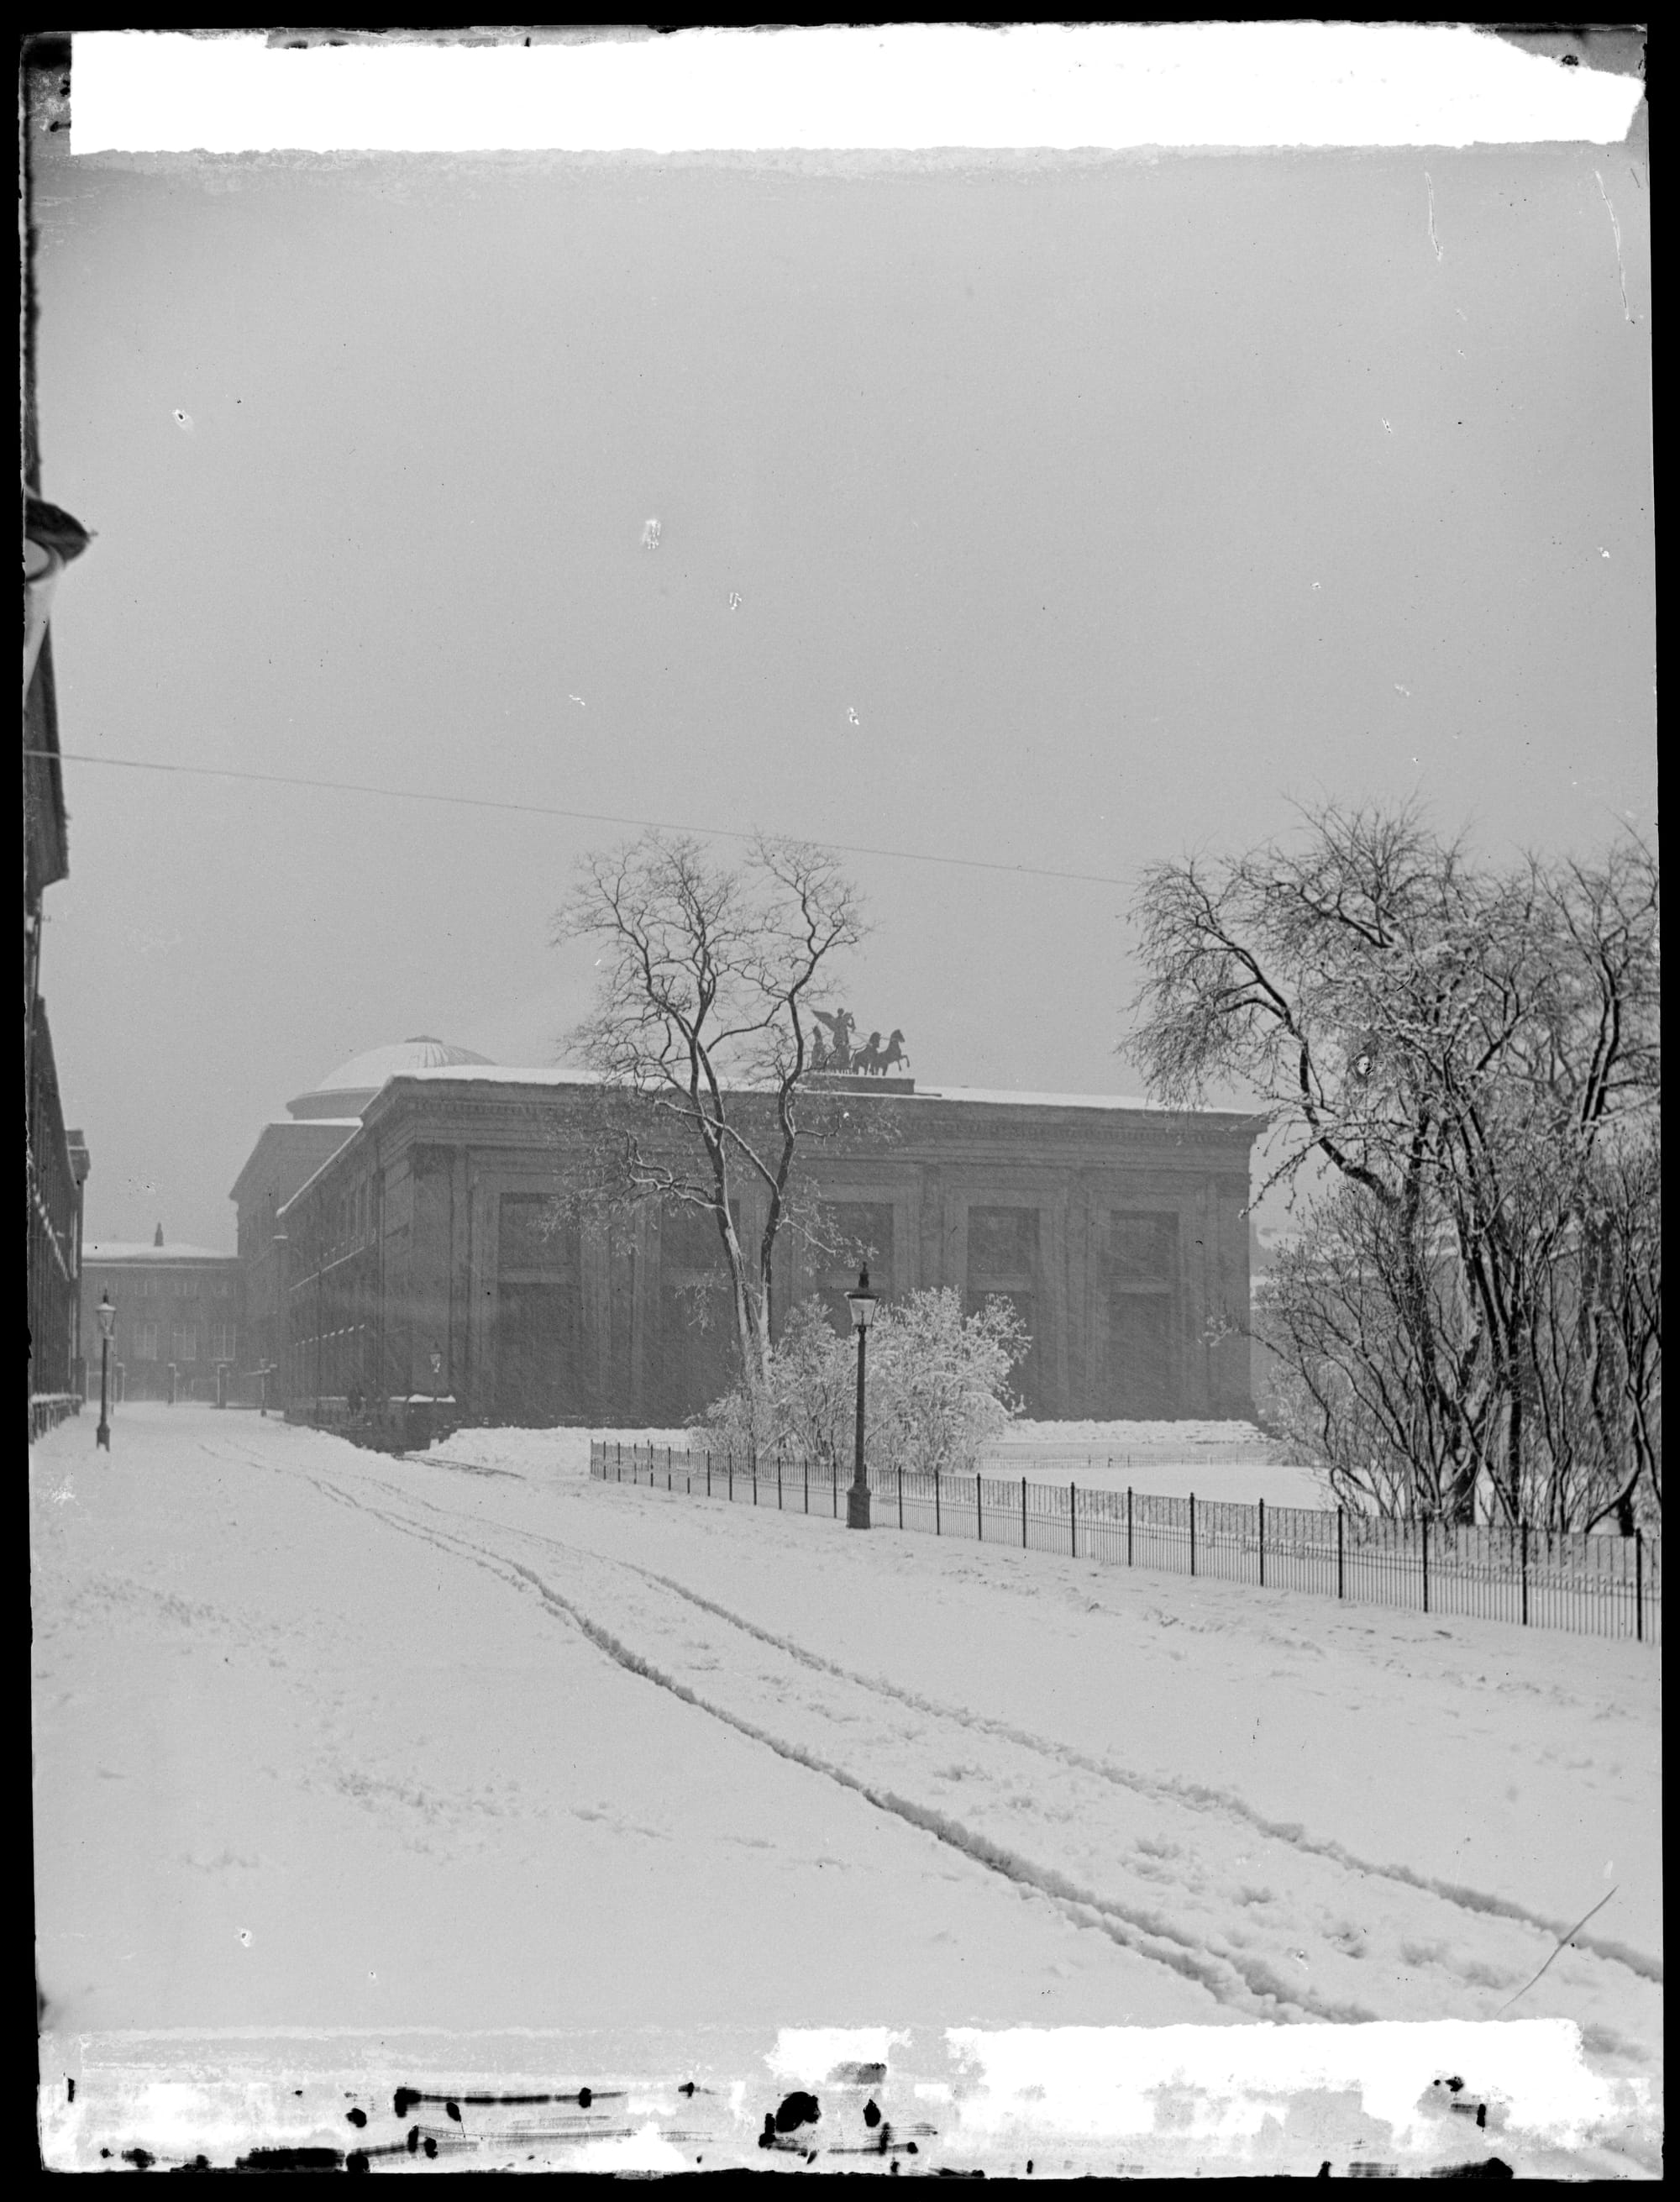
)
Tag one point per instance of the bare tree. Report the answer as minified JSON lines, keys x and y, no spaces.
{"x":1376,"y":1367}
{"x":1458,"y":1047}
{"x":701,"y":1036}
{"x":1595,"y":1345}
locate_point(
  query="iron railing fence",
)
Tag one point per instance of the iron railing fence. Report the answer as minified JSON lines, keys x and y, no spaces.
{"x":1593,"y":1585}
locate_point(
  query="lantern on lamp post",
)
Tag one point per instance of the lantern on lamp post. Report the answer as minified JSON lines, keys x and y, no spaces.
{"x":108,"y":1322}
{"x":863,"y":1304}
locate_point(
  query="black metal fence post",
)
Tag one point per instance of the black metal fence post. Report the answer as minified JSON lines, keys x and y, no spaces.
{"x":1262,"y":1543}
{"x":755,"y":1458}
{"x":731,"y":1474}
{"x":901,"y":1494}
{"x":1023,"y":1513}
{"x":709,"y":1471}
{"x":1523,"y":1530}
{"x":1072,"y":1520}
{"x":1341,"y":1583}
{"x":779,"y":1479}
{"x":979,"y":1510}
{"x":805,"y":1463}
{"x":1128,"y":1525}
{"x":1425,"y":1564}
{"x":1192,"y":1533}
{"x":936,"y":1502}
{"x":1639,"y":1586}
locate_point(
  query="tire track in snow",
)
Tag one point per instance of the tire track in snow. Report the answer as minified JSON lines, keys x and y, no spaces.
{"x":1146,"y":1938}
{"x":1250,"y":1983}
{"x":1195,"y":1795}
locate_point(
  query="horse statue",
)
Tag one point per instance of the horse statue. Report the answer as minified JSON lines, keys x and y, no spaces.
{"x":874,"y":1060}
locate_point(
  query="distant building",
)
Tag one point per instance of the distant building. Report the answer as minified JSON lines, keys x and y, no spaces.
{"x":177,"y":1316}
{"x":1118,"y":1232}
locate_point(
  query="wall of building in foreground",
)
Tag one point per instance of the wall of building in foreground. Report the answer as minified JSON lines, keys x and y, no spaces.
{"x":423,"y":1258}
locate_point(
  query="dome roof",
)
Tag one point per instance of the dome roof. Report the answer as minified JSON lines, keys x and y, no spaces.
{"x":347,"y":1091}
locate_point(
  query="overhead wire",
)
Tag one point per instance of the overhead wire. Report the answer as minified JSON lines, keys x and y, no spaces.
{"x":554,"y":810}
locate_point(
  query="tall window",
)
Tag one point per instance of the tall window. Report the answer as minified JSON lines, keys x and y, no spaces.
{"x":184,"y":1344}
{"x":698,"y":1351}
{"x":1140,"y":1374}
{"x":1003,"y":1247}
{"x":544,"y":1373}
{"x":1003,"y":1264}
{"x":145,"y":1341}
{"x":223,"y":1338}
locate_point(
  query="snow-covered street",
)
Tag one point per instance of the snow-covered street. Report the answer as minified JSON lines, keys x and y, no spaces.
{"x":359,"y":1747}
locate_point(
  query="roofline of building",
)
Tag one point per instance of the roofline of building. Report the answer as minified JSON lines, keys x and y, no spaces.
{"x":319,"y":1169}
{"x":347,"y":1125}
{"x":1228,"y":1120}
{"x":547,"y":1080}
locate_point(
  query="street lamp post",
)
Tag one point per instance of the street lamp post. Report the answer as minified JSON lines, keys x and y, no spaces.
{"x":107,"y":1317}
{"x":863,"y":1304}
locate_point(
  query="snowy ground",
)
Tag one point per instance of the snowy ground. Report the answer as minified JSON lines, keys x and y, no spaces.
{"x":352,"y":1770}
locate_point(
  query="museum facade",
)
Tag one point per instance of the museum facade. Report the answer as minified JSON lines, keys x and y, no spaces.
{"x":431,"y":1254}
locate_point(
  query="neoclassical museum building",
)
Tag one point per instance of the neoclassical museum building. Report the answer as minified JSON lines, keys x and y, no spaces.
{"x":398,"y":1241}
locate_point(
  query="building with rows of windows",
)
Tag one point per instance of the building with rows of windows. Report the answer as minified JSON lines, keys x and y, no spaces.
{"x":178,"y":1317}
{"x":424,"y":1256}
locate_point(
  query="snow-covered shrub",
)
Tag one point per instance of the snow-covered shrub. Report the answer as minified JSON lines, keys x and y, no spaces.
{"x":937,"y":1390}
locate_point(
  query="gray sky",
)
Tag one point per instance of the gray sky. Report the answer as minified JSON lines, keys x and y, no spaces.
{"x":1122,"y":501}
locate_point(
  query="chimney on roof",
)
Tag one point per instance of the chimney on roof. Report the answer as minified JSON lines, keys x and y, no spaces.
{"x":158,"y":1238}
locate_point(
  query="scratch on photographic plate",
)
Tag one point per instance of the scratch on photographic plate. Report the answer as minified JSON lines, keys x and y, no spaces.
{"x":1616,"y":231}
{"x":1433,"y":238}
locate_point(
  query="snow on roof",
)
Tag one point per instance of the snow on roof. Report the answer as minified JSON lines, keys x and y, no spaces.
{"x":509,"y":1075}
{"x":319,"y":1170}
{"x":503,"y":1074}
{"x":128,"y":1250}
{"x":313,"y":1124}
{"x":281,"y":1129}
{"x":1064,"y":1101}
